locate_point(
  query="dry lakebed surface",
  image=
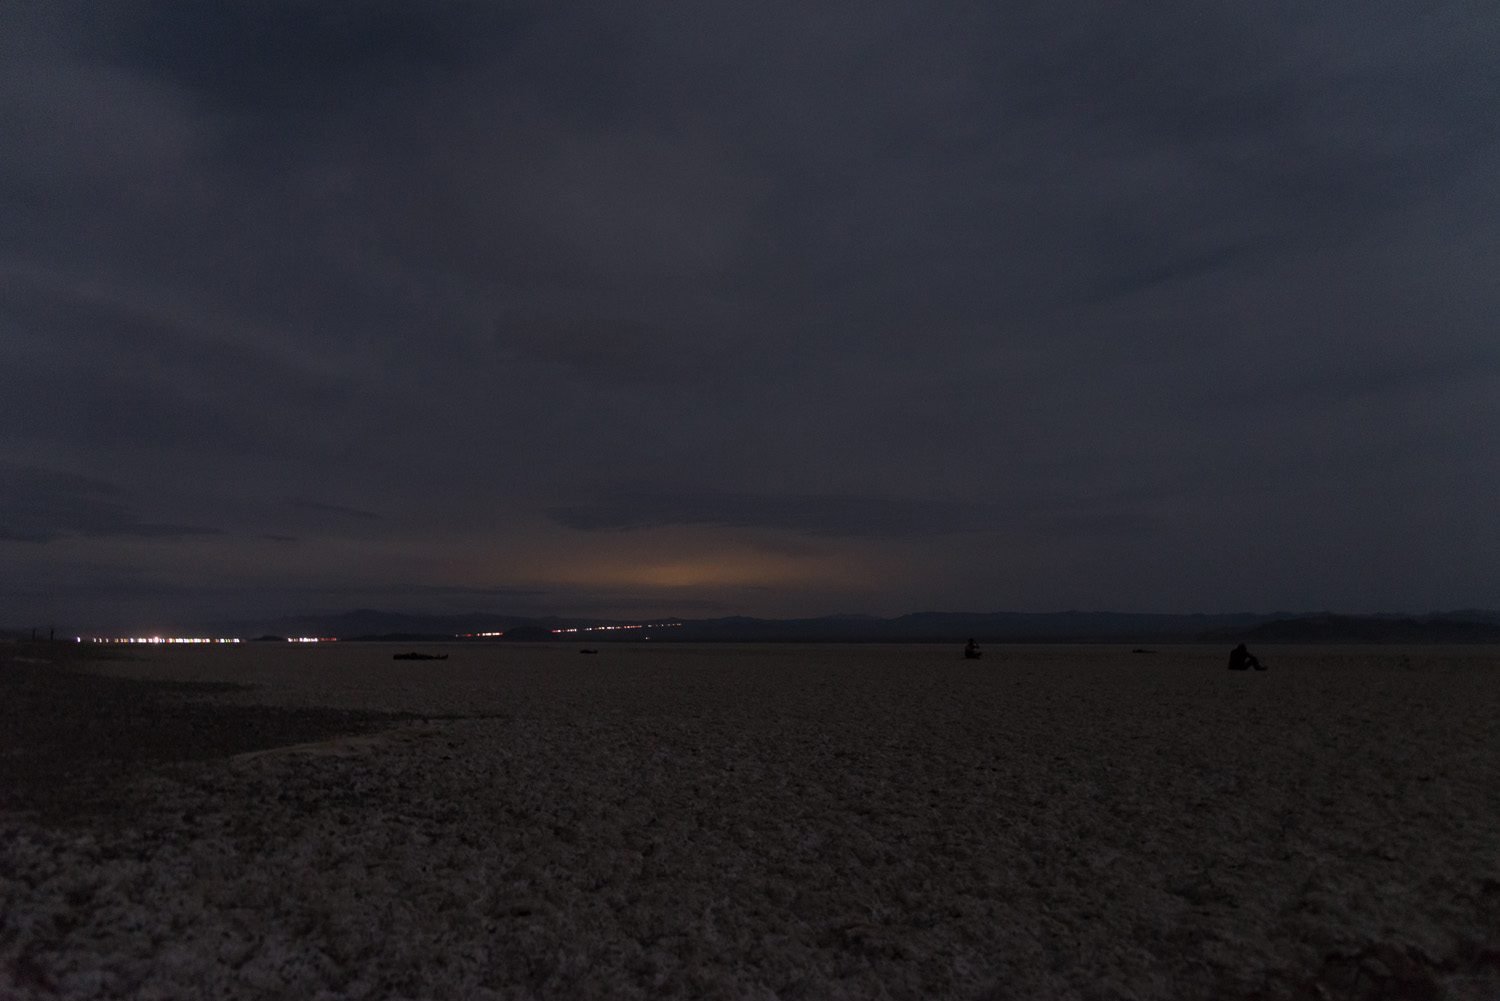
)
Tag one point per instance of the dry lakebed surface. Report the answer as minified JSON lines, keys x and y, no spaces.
{"x":760,"y":822}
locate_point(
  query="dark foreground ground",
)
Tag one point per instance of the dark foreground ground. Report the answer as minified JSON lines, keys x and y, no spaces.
{"x":755,"y":822}
{"x":71,"y":739}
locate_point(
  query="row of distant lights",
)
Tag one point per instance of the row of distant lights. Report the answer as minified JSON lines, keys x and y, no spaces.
{"x":610,"y":629}
{"x":157,"y":639}
{"x":334,"y":639}
{"x":580,"y":629}
{"x":194,"y":639}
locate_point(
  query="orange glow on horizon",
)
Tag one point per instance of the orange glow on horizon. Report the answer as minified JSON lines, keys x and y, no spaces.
{"x":719,"y":569}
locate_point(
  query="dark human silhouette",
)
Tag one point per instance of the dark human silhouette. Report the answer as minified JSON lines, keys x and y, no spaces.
{"x":971,"y":650}
{"x":1241,"y":659}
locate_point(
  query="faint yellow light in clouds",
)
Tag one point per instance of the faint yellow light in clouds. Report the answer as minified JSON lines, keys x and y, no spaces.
{"x":666,"y":560}
{"x":692,"y":575}
{"x":728,"y":569}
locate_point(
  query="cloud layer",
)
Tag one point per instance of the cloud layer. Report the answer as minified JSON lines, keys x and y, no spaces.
{"x":1043,"y":305}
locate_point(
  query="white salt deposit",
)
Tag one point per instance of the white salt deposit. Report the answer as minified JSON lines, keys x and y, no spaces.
{"x":793,"y":822}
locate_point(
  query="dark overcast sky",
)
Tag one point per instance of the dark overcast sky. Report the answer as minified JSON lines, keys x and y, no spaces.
{"x":773,"y":308}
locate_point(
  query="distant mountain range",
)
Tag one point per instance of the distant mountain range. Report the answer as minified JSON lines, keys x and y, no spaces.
{"x":1466,"y":626}
{"x":1449,"y":628}
{"x":367,"y":623}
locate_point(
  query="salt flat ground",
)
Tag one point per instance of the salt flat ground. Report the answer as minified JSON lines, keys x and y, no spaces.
{"x":791,"y":822}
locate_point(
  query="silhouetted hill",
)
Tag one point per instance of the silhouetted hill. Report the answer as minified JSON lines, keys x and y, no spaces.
{"x":373,"y":624}
{"x":365,"y":622}
{"x":923,"y":627}
{"x":1365,"y":629}
{"x":1470,"y":626}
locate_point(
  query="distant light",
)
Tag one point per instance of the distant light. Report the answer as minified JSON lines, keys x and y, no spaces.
{"x":593,"y":629}
{"x":154,"y":640}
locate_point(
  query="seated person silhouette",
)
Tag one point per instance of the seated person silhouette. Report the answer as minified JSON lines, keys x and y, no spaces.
{"x":971,"y":650}
{"x":1241,"y":659}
